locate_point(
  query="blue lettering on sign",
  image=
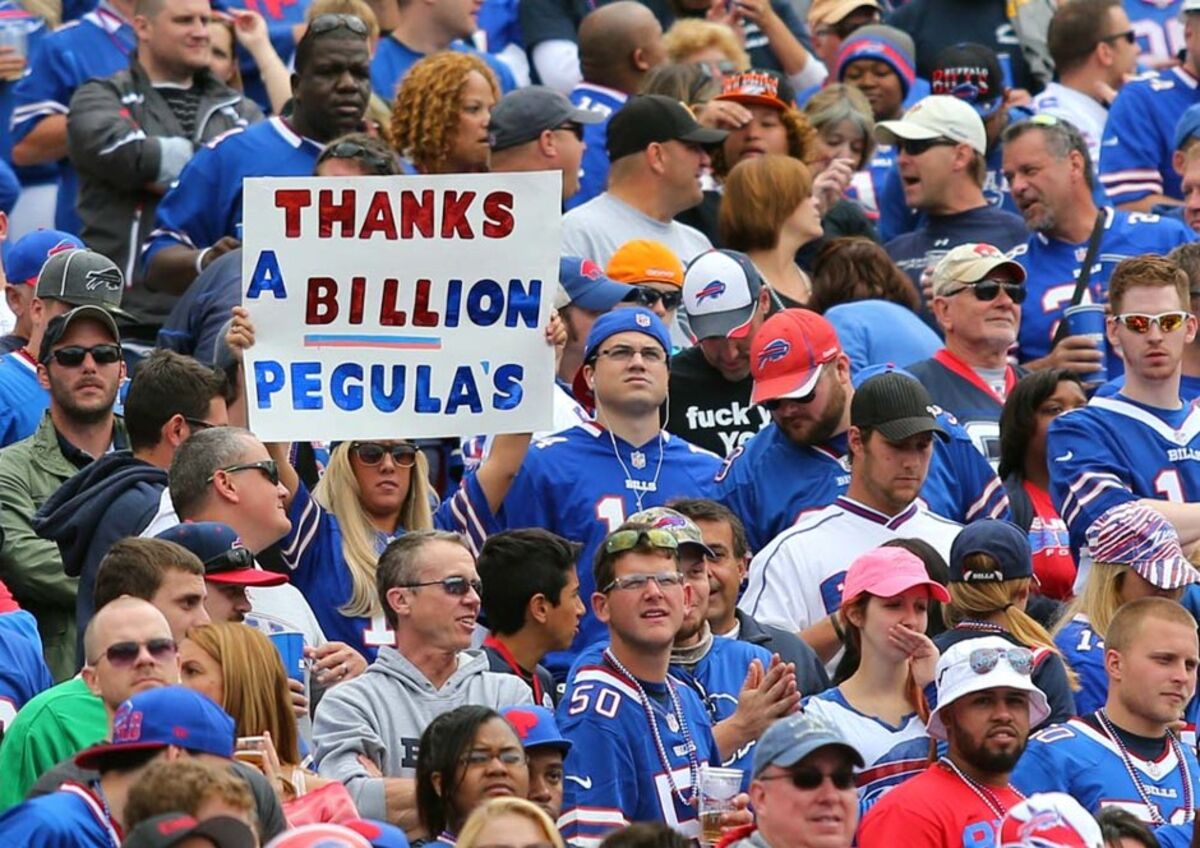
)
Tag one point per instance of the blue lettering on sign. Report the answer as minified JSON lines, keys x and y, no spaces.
{"x":347,"y":397}
{"x":453,"y":303}
{"x":384,"y":400}
{"x":269,"y":378}
{"x":509,"y":390}
{"x":266,"y":277}
{"x":463,"y":392}
{"x":425,"y":401}
{"x":523,"y":303}
{"x":306,"y":385}
{"x":485,"y":302}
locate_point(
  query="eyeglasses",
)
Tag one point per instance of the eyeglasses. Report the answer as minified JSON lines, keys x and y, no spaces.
{"x":625,"y":353}
{"x":372,"y":453}
{"x":572,"y":127}
{"x":456,"y":586}
{"x":646,"y":296}
{"x":125,"y":654}
{"x":72,"y":356}
{"x":983,"y":660}
{"x":989,"y":289}
{"x":1139,"y":322}
{"x":809,"y":778}
{"x":637,"y":582}
{"x":507,"y":757}
{"x":917,"y":146}
{"x":328,"y":23}
{"x":1129,"y":36}
{"x":266,"y":466}
{"x":381,"y":164}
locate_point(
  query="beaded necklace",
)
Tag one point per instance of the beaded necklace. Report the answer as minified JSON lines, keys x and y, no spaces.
{"x":1155,"y":816}
{"x":982,"y":626}
{"x":986,"y":795}
{"x":675,"y":721}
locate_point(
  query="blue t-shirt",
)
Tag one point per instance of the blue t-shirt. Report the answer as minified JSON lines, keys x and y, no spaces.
{"x":1053,"y":266}
{"x":69,"y":818}
{"x":23,"y":672}
{"x":22,"y":398}
{"x":593,"y":169}
{"x":206,"y":202}
{"x":97,"y":45}
{"x":393,"y":59}
{"x":1139,"y":137}
{"x":876,"y":332}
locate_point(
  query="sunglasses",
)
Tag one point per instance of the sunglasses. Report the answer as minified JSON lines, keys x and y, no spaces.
{"x":372,"y":453}
{"x":328,"y":23}
{"x":627,"y":540}
{"x":775,"y":403}
{"x":456,"y":586}
{"x":380,"y":164}
{"x":809,"y":778}
{"x":72,"y":356}
{"x":983,"y":660}
{"x":234,"y":559}
{"x":1128,"y":36}
{"x":125,"y":654}
{"x":989,"y":289}
{"x":573,"y":128}
{"x":1139,"y":322}
{"x":646,"y":296}
{"x":915,"y":147}
{"x":266,"y":466}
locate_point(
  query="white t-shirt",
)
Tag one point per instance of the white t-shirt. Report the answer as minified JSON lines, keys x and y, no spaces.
{"x":1087,"y":114}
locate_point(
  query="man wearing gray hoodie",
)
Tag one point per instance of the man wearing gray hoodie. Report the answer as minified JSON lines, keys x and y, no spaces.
{"x":366,"y":730}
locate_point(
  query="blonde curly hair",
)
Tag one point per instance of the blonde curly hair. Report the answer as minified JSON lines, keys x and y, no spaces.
{"x":425,"y":115}
{"x":800,"y":135}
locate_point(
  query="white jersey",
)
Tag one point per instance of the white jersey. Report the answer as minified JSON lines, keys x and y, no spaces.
{"x":797,"y":579}
{"x":1087,"y":114}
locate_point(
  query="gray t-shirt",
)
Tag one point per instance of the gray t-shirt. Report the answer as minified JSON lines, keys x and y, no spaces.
{"x":597,"y":228}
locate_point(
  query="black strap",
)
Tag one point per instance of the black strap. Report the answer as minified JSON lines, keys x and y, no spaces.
{"x":1085,"y":271}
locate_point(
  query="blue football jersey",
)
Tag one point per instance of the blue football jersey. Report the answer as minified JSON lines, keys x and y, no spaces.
{"x":580,"y":485}
{"x":769,"y":481}
{"x":34,"y":28}
{"x":717,"y":679}
{"x":22,"y":398}
{"x":1189,"y":388}
{"x":1078,"y":758}
{"x":206,"y":202}
{"x":614,"y":775}
{"x":23,"y":672}
{"x":1158,"y":26}
{"x":1083,"y":651}
{"x":1139,"y":137}
{"x":593,"y":168}
{"x":958,"y":389}
{"x":1115,"y":450}
{"x":393,"y":59}
{"x":1053,"y":266}
{"x":69,"y":818}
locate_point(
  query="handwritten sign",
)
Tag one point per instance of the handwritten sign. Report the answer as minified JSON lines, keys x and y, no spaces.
{"x":390,"y":307}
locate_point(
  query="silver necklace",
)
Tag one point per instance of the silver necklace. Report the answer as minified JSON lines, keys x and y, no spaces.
{"x":639,"y":461}
{"x":675,"y":721}
{"x":1126,"y":760}
{"x":986,"y":795}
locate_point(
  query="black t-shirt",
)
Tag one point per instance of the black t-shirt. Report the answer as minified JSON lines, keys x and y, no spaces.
{"x":706,"y":409}
{"x":184,"y":103}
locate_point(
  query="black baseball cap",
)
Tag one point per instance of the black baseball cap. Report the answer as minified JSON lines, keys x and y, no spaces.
{"x":170,"y":829}
{"x":59,"y":324}
{"x":896,"y":405}
{"x":649,"y":118}
{"x":971,"y":72}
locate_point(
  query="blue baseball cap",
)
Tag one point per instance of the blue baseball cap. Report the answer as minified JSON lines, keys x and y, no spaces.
{"x":379,"y":834}
{"x":1188,"y":126}
{"x":1002,"y":540}
{"x":635,"y":320}
{"x":24,"y":259}
{"x":791,"y":739}
{"x":536,"y":727}
{"x":225,"y":558}
{"x":585,"y":285}
{"x":158,"y":718}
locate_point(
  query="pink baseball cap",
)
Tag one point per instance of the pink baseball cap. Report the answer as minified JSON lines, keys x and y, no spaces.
{"x":887,"y":572}
{"x":788,"y":353}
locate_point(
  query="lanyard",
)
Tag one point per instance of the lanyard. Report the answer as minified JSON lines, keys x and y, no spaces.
{"x":98,"y":811}
{"x":506,"y":655}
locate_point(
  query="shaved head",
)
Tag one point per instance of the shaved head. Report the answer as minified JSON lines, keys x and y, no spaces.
{"x":608,"y":38}
{"x":98,"y":635}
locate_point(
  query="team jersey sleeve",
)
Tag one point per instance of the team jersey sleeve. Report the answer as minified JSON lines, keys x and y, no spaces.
{"x":527,"y":502}
{"x":1039,"y":770}
{"x":599,"y":782}
{"x":42,"y":92}
{"x":1085,"y":478}
{"x":773,"y":594}
{"x":1084,"y":653}
{"x":895,"y":217}
{"x":735,"y":489}
{"x":1132,"y":148}
{"x":300,"y":548}
{"x":467,"y":512}
{"x":1175,"y":835}
{"x":19,"y":827}
{"x":191,"y":213}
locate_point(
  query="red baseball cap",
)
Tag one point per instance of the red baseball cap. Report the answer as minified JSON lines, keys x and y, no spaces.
{"x":788,"y":352}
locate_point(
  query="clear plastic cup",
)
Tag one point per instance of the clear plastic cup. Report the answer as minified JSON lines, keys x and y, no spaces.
{"x":718,"y":789}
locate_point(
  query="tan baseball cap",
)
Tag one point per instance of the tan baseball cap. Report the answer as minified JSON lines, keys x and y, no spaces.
{"x":970,"y":263}
{"x":937,"y":116}
{"x":831,"y":11}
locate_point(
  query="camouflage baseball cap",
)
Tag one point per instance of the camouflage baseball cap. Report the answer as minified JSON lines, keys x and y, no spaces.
{"x":82,"y":278}
{"x":677,"y":524}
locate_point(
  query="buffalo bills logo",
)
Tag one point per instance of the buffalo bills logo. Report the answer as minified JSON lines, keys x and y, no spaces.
{"x":60,"y":247}
{"x":642,"y":320}
{"x":522,"y":721}
{"x":127,"y":724}
{"x":713,"y":290}
{"x":670,"y":521}
{"x":986,"y":250}
{"x":773,"y":351}
{"x":589,"y":269}
{"x":108,"y":278}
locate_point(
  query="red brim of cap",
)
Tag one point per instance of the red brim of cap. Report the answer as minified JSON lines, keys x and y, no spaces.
{"x":583,"y":392}
{"x":795,"y":385}
{"x":247,"y":577}
{"x":755,"y":100}
{"x":91,"y":758}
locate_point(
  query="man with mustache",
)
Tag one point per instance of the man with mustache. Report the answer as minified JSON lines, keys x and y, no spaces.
{"x":986,"y":703}
{"x":1126,"y":754}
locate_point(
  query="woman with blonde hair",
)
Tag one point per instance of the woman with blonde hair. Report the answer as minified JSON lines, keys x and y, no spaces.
{"x":768,"y":212}
{"x":441,"y":114}
{"x":694,"y":41}
{"x":991,"y":576}
{"x":509,"y":821}
{"x":1135,"y":553}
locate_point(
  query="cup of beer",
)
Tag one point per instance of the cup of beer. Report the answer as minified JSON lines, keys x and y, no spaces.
{"x":718,"y":789}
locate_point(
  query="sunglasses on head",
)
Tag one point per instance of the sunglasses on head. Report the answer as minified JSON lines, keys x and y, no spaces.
{"x":328,"y":23}
{"x":372,"y":453}
{"x":379,"y":164}
{"x":989,"y":289}
{"x":266,"y":466}
{"x":72,"y":356}
{"x":125,"y":654}
{"x":456,"y":586}
{"x":1140,"y":323}
{"x":234,"y":559}
{"x":983,"y":660}
{"x":646,"y":296}
{"x":810,"y":777}
{"x":917,"y":146}
{"x":626,"y":540}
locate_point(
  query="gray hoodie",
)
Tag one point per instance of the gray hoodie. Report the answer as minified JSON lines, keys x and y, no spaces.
{"x":382,"y":714}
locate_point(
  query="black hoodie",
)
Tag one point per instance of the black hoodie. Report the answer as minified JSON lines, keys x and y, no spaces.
{"x":113,"y":497}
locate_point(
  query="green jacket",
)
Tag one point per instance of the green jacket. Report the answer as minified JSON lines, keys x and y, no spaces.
{"x":30,"y":471}
{"x":54,"y":725}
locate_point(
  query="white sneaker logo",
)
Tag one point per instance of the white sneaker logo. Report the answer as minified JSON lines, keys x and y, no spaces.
{"x":1066,"y":457}
{"x":585,"y":782}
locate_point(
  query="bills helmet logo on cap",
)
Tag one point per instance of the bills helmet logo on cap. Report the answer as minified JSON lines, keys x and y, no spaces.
{"x":642,"y":320}
{"x":773,"y":351}
{"x":713,"y":290}
{"x":127,"y":724}
{"x":669,"y":521}
{"x":60,"y":247}
{"x":109,"y":278}
{"x":986,"y":250}
{"x":522,"y":721}
{"x":589,"y":269}
{"x":1043,"y":829}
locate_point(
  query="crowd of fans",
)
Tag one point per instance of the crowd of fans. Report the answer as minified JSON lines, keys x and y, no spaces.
{"x":871,"y":498}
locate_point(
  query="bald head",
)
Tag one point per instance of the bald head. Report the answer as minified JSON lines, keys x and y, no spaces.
{"x":143,"y":652}
{"x":138,"y":614}
{"x":618,"y":44}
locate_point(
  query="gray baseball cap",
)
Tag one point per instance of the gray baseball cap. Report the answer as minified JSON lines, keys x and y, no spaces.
{"x":526,"y":113}
{"x":791,"y":739}
{"x":82,"y":278}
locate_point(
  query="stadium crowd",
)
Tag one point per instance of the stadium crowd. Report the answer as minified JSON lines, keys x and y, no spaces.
{"x":870,"y":506}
